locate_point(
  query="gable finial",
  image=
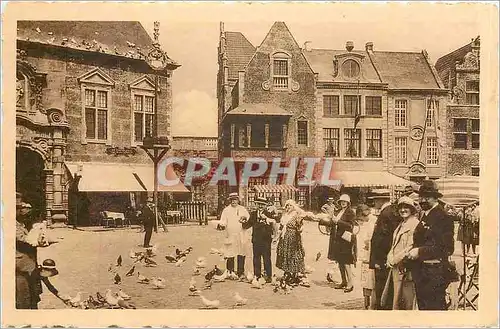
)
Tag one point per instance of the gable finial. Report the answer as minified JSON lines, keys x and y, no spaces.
{"x":156,"y":32}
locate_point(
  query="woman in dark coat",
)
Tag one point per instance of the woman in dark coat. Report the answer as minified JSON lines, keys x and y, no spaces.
{"x":342,"y":242}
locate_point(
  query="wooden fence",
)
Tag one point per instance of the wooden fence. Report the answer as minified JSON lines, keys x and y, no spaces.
{"x":193,"y":210}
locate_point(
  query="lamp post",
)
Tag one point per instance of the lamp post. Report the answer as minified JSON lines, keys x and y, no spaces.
{"x":156,"y":147}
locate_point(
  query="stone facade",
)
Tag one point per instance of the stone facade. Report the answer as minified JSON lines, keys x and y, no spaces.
{"x":61,"y":74}
{"x":460,"y":70}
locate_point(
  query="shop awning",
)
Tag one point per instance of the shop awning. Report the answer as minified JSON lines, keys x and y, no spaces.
{"x":459,"y":190}
{"x":274,"y":188}
{"x":120,"y":177}
{"x":369,"y":179}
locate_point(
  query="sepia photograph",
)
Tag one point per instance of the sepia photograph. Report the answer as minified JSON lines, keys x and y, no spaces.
{"x":251,"y":162}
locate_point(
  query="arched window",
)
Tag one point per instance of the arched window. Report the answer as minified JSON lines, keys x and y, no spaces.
{"x":350,"y":68}
{"x":280,"y":65}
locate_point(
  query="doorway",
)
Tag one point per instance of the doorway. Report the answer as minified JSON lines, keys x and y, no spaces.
{"x":30,"y":180}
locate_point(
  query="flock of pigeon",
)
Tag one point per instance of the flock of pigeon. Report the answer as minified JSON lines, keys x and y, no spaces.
{"x":121,"y":300}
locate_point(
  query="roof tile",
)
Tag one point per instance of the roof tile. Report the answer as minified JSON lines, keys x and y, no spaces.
{"x":239,"y":52}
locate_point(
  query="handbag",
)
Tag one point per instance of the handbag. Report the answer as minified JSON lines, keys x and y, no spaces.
{"x":347,"y":236}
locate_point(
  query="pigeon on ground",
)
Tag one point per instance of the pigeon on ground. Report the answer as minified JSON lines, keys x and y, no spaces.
{"x":75,"y":301}
{"x":123,"y":304}
{"x":123,"y":295}
{"x":119,"y":261}
{"x":110,"y":299}
{"x":208,"y":285}
{"x":158,"y":283}
{"x":100,"y":299}
{"x":118,"y":279}
{"x":196,"y":271}
{"x":180,"y":261}
{"x":149,"y":262}
{"x":217,"y":270}
{"x":212,"y":304}
{"x":131,"y":271}
{"x":318,"y":255}
{"x":201,"y":263}
{"x":170,"y":259}
{"x":214,"y":251}
{"x":239,"y":300}
{"x":179,"y":253}
{"x":142,"y":279}
{"x":256,"y":284}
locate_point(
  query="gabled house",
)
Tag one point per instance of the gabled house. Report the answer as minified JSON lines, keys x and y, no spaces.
{"x":266,"y":103}
{"x":460,"y":72}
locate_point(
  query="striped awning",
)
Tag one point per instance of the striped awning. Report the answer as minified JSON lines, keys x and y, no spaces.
{"x":459,"y":190}
{"x":274,"y":188}
{"x":357,"y":178}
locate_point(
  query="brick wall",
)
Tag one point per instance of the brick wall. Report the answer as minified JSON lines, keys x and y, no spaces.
{"x":64,"y":91}
{"x":301,"y":103}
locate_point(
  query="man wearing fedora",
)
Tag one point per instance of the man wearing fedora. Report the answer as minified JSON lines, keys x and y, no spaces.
{"x":147,"y":217}
{"x":380,"y":245}
{"x":433,"y":243}
{"x":262,"y":237}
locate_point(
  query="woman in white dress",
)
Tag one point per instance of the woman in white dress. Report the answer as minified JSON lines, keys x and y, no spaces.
{"x":237,"y":238}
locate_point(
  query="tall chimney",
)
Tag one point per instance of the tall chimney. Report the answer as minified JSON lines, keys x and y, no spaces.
{"x":307,"y":45}
{"x":369,"y":46}
{"x":349,"y":45}
{"x":221,"y":27}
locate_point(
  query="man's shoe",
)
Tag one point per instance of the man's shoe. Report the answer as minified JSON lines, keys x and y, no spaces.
{"x":351,"y":288}
{"x":268,"y":279}
{"x":340,"y":285}
{"x":329,"y":278}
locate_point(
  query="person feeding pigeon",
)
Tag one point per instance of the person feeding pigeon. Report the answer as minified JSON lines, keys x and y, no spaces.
{"x":233,"y":219}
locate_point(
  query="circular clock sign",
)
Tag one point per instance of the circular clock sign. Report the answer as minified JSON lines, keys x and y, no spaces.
{"x":417,"y":133}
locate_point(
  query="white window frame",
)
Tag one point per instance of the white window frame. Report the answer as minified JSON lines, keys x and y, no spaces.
{"x":476,"y":92}
{"x":96,"y":79}
{"x":281,"y":55}
{"x":432,"y":109}
{"x":400,"y":113}
{"x":327,"y":139}
{"x":307,"y":132}
{"x":400,"y":151}
{"x":143,"y":94}
{"x":462,"y":133}
{"x":346,"y":147}
{"x":475,"y":133}
{"x":97,"y":89}
{"x":367,"y":146}
{"x":432,"y":152}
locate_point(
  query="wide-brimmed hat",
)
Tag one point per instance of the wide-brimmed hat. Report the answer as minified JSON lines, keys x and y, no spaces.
{"x":345,"y":197}
{"x":48,"y":268}
{"x":261,"y":200}
{"x":233,"y":196}
{"x":404,"y":200}
{"x":428,"y":188}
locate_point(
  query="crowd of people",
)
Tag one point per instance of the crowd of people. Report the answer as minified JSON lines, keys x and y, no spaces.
{"x":404,"y":247}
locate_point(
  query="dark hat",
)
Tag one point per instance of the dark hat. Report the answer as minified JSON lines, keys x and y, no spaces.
{"x":48,"y":268}
{"x":428,"y":188}
{"x":261,"y":200}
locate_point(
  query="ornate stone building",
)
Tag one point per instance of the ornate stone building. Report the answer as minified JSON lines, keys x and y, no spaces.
{"x":379,"y":115}
{"x":85,"y":101}
{"x":460,"y":71}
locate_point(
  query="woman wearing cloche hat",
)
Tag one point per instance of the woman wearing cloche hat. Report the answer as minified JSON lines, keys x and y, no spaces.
{"x":399,"y":280}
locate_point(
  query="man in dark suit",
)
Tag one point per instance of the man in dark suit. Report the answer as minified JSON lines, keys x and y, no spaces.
{"x":147,"y":217}
{"x":433,"y":243}
{"x":262,"y":236}
{"x":381,"y":242}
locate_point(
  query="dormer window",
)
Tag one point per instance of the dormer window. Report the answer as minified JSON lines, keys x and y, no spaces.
{"x":350,"y":68}
{"x":281,"y":70}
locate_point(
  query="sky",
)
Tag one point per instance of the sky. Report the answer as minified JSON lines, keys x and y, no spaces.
{"x":192,"y":41}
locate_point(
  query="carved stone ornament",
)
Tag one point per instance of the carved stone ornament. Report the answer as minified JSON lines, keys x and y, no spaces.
{"x":457,"y":94}
{"x":20,"y":85}
{"x":471,"y":61}
{"x":266,"y":85}
{"x":42,"y":143}
{"x":55,"y":116}
{"x":335,"y":67}
{"x":417,"y":133}
{"x":295,"y":85}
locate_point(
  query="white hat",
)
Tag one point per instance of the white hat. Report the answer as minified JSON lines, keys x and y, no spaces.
{"x":345,"y":197}
{"x":407,"y":201}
